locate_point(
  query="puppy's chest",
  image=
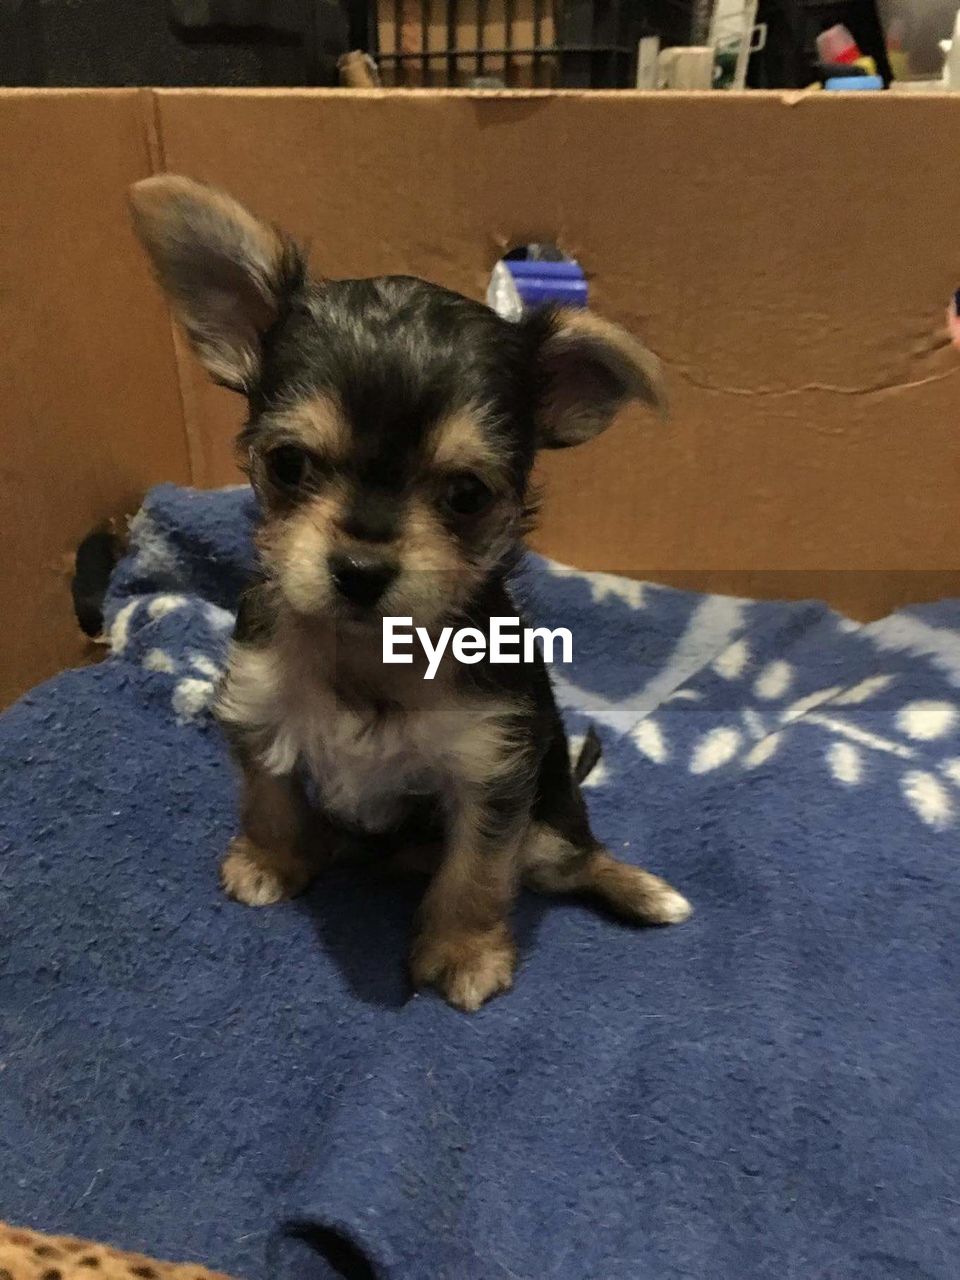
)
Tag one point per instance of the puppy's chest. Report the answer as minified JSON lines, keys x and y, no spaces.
{"x":365,"y":760}
{"x":367,"y":767}
{"x":364,"y":763}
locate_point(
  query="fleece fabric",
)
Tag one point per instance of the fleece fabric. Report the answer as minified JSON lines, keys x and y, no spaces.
{"x":768,"y":1092}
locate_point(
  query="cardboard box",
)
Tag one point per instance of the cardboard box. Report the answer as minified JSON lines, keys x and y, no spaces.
{"x":789,"y":258}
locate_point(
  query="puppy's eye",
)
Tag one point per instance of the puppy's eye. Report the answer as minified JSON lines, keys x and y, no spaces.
{"x":287,"y":465}
{"x":466,"y":495}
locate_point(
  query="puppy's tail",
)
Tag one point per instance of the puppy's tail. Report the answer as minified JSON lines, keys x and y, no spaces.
{"x":588,"y":757}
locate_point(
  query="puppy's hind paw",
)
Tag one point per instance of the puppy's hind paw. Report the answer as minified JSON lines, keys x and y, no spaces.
{"x":259,"y":878}
{"x":635,"y":894}
{"x":468,"y":968}
{"x":666,"y":906}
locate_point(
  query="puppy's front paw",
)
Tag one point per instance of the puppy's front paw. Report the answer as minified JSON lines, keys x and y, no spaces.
{"x":466,"y":968}
{"x":259,"y":877}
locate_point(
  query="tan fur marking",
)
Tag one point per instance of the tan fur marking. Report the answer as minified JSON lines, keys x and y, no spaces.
{"x":296,"y":550}
{"x":464,"y":947}
{"x":460,"y":442}
{"x":552,"y":865}
{"x":426,"y":542}
{"x":468,"y":968}
{"x":268,"y":862}
{"x":475,"y":885}
{"x":436,"y":579}
{"x":226,"y":366}
{"x":488,"y":748}
{"x":272,"y":814}
{"x":317,"y":423}
{"x":635,"y":893}
{"x":260,"y":877}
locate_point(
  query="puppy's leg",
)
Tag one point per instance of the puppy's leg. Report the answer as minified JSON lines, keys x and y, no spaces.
{"x":464,"y":947}
{"x":561,"y":854}
{"x":552,"y":863}
{"x":270,"y":860}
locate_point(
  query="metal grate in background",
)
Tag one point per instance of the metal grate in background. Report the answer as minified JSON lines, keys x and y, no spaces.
{"x":517,"y":43}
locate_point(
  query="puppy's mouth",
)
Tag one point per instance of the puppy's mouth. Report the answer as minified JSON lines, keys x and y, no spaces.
{"x":360,"y":617}
{"x":364,"y":621}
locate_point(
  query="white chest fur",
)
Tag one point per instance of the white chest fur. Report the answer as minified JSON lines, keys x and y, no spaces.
{"x":364,"y":761}
{"x":363,"y":766}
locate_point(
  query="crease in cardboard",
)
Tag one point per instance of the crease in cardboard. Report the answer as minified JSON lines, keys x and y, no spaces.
{"x":183,"y":364}
{"x":827,"y":388}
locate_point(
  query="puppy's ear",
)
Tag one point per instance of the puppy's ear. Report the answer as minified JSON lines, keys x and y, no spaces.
{"x":586,"y":370}
{"x":227,"y":274}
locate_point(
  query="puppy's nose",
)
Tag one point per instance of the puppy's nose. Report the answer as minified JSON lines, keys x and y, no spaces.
{"x":360,"y":576}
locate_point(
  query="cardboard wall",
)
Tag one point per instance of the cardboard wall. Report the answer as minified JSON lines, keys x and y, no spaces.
{"x":89,"y":397}
{"x":789,"y":259}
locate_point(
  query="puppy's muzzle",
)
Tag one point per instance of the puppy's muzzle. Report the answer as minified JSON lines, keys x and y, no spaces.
{"x":361,"y":577}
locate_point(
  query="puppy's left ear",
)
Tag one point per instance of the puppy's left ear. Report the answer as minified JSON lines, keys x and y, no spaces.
{"x":587,"y":369}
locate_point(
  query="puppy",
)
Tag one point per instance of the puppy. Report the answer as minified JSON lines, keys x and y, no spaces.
{"x":391,"y":432}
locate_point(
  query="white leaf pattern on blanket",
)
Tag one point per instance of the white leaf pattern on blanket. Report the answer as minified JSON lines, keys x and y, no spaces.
{"x":766,"y":719}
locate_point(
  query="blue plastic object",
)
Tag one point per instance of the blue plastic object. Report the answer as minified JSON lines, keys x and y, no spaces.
{"x":855,"y":84}
{"x":541,"y":282}
{"x":517,"y":286}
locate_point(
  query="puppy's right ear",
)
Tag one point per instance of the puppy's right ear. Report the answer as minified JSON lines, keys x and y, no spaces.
{"x":227,"y":274}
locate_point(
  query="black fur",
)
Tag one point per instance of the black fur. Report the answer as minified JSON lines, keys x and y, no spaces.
{"x":399,"y":355}
{"x":391,"y":434}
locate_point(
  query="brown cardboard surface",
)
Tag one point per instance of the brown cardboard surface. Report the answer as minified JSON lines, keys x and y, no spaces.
{"x":88,"y":387}
{"x":790,"y":270}
{"x":789,"y":259}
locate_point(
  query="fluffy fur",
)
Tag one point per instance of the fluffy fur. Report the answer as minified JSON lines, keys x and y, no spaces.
{"x":391,"y":434}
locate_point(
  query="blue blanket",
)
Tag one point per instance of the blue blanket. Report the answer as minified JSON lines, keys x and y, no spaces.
{"x":769,"y":1091}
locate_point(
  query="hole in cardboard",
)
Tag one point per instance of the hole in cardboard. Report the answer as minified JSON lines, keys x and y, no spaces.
{"x":953,"y":319}
{"x":532,"y":275}
{"x":542,"y":251}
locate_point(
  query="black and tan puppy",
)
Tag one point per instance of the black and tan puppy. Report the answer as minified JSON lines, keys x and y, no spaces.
{"x":390,"y":438}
